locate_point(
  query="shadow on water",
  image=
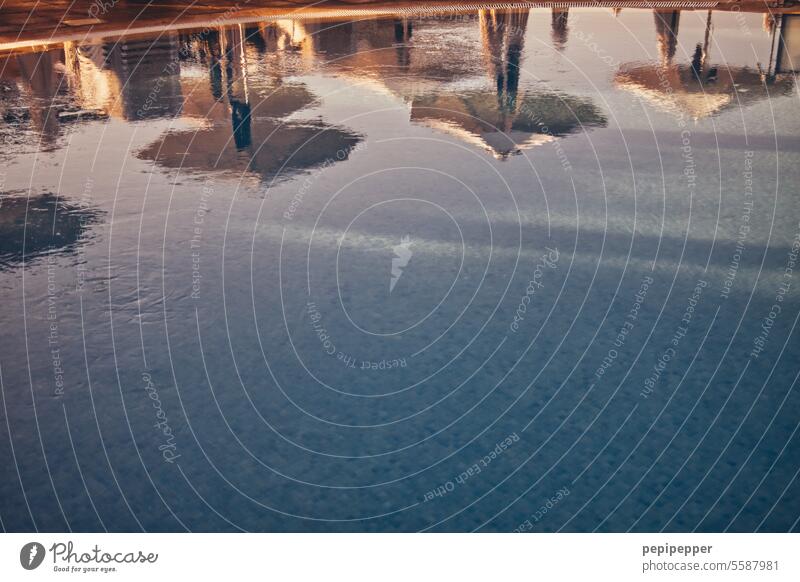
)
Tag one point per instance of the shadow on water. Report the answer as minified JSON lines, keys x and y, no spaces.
{"x":40,"y":225}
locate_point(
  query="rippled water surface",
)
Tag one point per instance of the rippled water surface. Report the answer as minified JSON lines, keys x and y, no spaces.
{"x":502,"y":270}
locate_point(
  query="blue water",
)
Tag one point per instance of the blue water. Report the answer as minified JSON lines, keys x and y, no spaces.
{"x":499,"y":271}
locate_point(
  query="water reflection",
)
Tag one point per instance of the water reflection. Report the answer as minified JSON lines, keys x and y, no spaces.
{"x":42,"y":92}
{"x":701,"y":87}
{"x":145,"y":73}
{"x":507,"y":127}
{"x":217,"y":296}
{"x":262,"y":142}
{"x":123,"y":79}
{"x":497,"y":118}
{"x":144,"y":78}
{"x":501,"y":119}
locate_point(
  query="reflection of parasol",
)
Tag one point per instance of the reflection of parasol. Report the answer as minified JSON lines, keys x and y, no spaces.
{"x":287,"y":147}
{"x":699,"y":91}
{"x":33,"y":226}
{"x":480,"y":117}
{"x":298,"y":146}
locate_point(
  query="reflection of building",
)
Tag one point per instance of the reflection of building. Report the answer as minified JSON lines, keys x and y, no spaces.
{"x":361,"y":44}
{"x":147,"y":70}
{"x":44,"y":76}
{"x":95,"y":87}
{"x":131,"y":79}
{"x":11,"y":114}
{"x":501,"y":117}
{"x":208,"y":77}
